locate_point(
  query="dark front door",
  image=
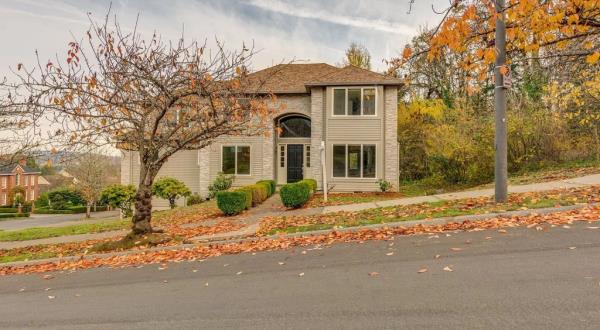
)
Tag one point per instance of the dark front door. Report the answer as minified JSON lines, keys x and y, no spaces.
{"x":295,"y":153}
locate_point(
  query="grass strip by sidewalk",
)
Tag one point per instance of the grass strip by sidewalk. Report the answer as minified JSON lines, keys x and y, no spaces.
{"x":178,"y":216}
{"x":48,"y":232}
{"x":442,"y":209}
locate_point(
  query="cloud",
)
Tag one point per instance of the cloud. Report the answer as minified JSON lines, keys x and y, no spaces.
{"x":325,"y":16}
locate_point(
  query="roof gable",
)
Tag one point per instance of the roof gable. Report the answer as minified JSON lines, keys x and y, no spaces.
{"x":10,"y":169}
{"x":297,"y":78}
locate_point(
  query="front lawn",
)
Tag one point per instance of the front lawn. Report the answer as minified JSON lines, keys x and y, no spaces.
{"x":563,"y":197}
{"x":47,"y":232}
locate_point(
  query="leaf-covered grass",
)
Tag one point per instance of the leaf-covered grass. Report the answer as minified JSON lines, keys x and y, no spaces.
{"x":47,"y":232}
{"x":550,"y":173}
{"x":441,"y":209}
{"x":27,"y":256}
{"x":351,"y":198}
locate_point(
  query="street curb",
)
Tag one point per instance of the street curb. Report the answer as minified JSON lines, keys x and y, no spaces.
{"x":246,"y":238}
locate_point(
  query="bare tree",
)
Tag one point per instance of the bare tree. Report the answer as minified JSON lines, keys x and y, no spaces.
{"x":90,"y":171}
{"x":145,"y":95}
{"x":19,"y":134}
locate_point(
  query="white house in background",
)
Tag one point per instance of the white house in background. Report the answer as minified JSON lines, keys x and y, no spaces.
{"x":352,"y":110}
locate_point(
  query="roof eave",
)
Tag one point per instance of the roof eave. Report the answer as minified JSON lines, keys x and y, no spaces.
{"x":353,"y":83}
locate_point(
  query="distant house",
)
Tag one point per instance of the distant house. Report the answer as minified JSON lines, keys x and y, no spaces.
{"x":43,"y":184}
{"x":18,"y":175}
{"x":351,"y":111}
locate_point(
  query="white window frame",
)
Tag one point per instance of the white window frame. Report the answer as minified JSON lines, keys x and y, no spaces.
{"x":4,"y":181}
{"x":235,"y":159}
{"x":17,"y":179}
{"x":361,"y":177}
{"x":362,"y":88}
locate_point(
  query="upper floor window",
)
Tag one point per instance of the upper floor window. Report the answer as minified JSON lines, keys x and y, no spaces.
{"x":4,"y":182}
{"x":354,"y":101}
{"x":236,"y":160}
{"x":294,"y":127}
{"x":17,"y":179}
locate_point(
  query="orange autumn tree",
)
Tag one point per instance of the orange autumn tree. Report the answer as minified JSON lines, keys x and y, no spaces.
{"x":145,"y":95}
{"x":536,"y":29}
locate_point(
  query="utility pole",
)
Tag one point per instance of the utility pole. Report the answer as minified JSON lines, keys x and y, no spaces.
{"x":501,"y":170}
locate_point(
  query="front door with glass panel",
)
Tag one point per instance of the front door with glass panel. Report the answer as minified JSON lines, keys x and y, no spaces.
{"x":295,"y":162}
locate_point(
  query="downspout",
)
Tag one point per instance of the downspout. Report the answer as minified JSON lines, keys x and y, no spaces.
{"x":324,"y":170}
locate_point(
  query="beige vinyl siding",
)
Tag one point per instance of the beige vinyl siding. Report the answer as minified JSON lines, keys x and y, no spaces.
{"x":183,"y":166}
{"x":344,"y":128}
{"x":355,"y":130}
{"x":256,"y":158}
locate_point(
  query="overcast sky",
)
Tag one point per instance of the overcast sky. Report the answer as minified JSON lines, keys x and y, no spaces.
{"x":311,"y":30}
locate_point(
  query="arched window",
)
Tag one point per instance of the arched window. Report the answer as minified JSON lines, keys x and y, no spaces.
{"x":294,"y":127}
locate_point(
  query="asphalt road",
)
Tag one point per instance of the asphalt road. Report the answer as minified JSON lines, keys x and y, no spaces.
{"x":522,"y":279}
{"x":55,"y":220}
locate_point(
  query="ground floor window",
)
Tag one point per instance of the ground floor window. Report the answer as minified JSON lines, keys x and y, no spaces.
{"x":354,"y":160}
{"x":236,"y":160}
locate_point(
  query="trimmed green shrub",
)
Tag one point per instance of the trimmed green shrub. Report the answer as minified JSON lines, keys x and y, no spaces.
{"x":170,"y":189}
{"x":62,"y":198}
{"x":13,"y":215}
{"x":222,"y":183}
{"x":42,"y":200}
{"x":272,"y":185}
{"x":384,"y":185}
{"x":231,"y":202}
{"x":8,"y":210}
{"x":248,"y":192}
{"x":294,"y":195}
{"x":45,"y":210}
{"x":260,"y":192}
{"x":194,"y":199}
{"x":119,"y":196}
{"x":312,"y":183}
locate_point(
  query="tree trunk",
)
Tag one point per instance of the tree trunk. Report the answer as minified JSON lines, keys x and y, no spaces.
{"x":143,"y":210}
{"x":88,"y":211}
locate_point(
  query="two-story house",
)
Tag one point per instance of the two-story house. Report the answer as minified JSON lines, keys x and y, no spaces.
{"x":18,"y":175}
{"x":351,"y":111}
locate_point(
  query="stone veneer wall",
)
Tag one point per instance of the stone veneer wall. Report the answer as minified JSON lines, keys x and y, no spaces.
{"x":204,"y":169}
{"x":268,"y":149}
{"x":391,"y":136}
{"x":316,"y":117}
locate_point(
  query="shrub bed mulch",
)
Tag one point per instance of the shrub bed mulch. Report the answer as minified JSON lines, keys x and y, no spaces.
{"x":534,"y":221}
{"x":271,"y":225}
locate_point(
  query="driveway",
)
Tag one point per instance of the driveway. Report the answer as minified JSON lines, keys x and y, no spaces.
{"x":522,"y":279}
{"x":55,"y":220}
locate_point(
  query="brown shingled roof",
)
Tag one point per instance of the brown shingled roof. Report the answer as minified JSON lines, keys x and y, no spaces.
{"x":296,"y":78}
